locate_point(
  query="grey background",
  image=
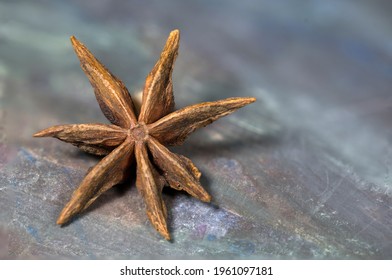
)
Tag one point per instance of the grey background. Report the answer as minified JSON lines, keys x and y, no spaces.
{"x":303,"y":173}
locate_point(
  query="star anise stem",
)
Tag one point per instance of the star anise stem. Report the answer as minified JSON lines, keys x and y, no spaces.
{"x":140,"y":136}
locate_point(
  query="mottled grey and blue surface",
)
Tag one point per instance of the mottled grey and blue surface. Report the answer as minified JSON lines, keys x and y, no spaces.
{"x":305,"y":172}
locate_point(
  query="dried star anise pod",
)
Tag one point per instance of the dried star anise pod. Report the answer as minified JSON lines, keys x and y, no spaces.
{"x":144,"y":135}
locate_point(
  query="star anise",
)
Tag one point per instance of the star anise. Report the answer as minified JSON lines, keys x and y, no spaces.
{"x":141,"y":135}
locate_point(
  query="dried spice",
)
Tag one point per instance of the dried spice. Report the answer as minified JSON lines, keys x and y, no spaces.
{"x":140,"y":136}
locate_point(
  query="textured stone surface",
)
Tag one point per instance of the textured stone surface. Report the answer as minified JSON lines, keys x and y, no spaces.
{"x":305,"y":172}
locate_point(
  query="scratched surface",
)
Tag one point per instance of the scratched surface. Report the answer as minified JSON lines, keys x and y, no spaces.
{"x":304,"y":173}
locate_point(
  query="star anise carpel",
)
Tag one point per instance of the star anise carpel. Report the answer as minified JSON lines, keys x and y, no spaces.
{"x":140,"y":136}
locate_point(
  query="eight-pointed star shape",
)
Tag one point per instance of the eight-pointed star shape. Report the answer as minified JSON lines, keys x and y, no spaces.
{"x":141,"y":136}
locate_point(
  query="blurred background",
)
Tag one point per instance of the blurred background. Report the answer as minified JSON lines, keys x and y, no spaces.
{"x":303,"y":173}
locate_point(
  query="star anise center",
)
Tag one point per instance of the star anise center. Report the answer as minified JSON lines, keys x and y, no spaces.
{"x":139,"y":132}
